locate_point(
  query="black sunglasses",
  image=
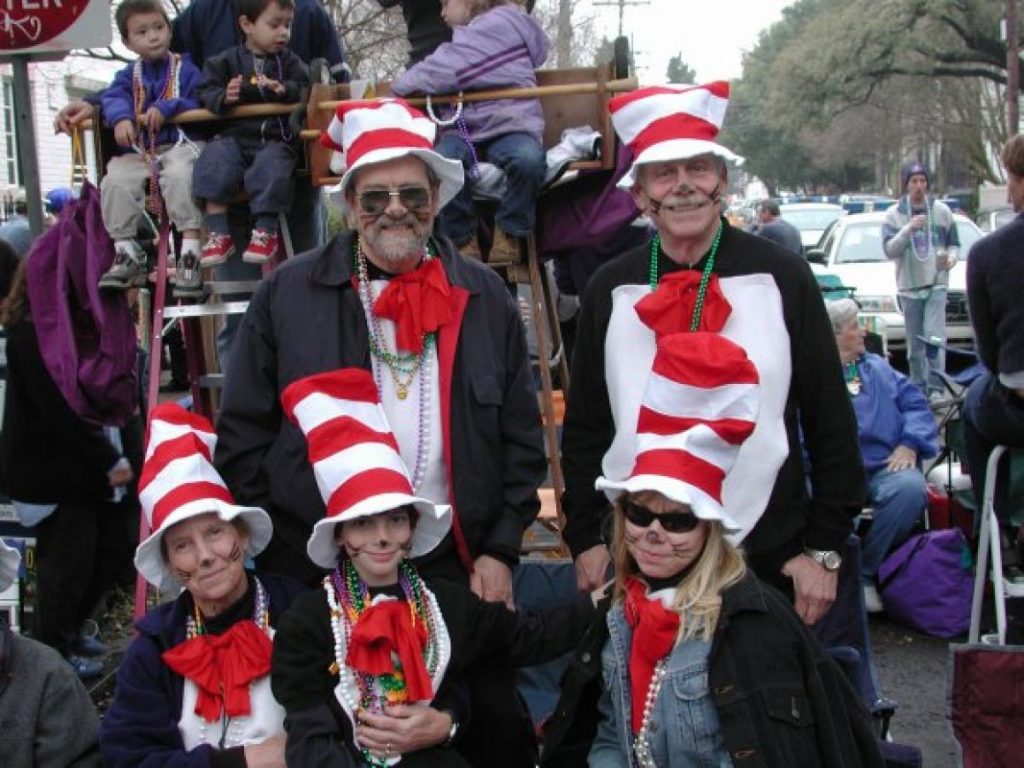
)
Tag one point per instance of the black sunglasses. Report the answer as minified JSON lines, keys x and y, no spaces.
{"x":375,"y":201}
{"x":672,"y":522}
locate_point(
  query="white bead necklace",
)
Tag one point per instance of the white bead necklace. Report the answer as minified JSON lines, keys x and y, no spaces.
{"x":642,"y":745}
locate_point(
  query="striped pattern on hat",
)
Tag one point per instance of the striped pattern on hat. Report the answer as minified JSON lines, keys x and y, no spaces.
{"x":649,"y":116}
{"x":699,"y":406}
{"x":360,"y":127}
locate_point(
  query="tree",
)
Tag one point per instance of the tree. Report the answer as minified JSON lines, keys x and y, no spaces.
{"x":679,"y":71}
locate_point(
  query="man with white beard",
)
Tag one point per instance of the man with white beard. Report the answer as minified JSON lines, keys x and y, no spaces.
{"x":700,"y":273}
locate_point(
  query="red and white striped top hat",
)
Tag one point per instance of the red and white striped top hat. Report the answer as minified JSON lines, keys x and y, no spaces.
{"x":378,"y":130}
{"x":356,"y":460}
{"x":699,"y":405}
{"x":178,"y":481}
{"x":671,"y":122}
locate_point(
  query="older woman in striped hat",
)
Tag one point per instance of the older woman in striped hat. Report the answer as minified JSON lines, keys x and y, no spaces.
{"x":194,"y":687}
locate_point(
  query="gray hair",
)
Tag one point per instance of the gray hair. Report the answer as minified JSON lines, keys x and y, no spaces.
{"x":841,"y":312}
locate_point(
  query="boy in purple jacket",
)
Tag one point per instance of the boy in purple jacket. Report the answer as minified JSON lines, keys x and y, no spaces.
{"x":495,"y":44}
{"x":142,"y":97}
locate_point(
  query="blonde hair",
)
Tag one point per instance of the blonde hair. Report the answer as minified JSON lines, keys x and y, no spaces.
{"x":698,"y":597}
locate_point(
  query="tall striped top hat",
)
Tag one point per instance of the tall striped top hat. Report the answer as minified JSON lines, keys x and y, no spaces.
{"x":356,"y":460}
{"x":378,"y":130}
{"x":700,"y":404}
{"x":671,"y":122}
{"x":178,"y":482}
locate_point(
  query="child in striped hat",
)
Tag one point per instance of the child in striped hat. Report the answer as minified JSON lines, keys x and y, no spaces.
{"x":368,"y":668}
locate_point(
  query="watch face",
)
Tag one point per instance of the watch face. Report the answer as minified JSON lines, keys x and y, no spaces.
{"x":832,"y":561}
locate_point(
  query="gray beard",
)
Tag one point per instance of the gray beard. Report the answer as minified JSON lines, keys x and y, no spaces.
{"x":396,"y":249}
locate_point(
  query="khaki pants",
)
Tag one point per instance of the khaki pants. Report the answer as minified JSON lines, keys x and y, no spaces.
{"x":124,"y":187}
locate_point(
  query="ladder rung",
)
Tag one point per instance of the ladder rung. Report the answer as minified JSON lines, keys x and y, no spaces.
{"x":211,"y":380}
{"x":222,"y":287}
{"x":205,"y":310}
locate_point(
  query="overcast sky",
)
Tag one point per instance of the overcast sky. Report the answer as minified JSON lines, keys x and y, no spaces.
{"x":711,"y":35}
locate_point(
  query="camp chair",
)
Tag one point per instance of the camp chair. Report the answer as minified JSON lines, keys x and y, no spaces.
{"x":984,"y":704}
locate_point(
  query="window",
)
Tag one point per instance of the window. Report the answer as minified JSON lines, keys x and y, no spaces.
{"x":11,"y":172}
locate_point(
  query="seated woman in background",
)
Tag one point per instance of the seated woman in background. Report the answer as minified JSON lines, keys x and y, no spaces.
{"x":194,"y":686}
{"x":348,"y":702}
{"x":702,"y":664}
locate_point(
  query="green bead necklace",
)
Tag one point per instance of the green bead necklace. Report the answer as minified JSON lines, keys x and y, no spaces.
{"x":705,"y":278}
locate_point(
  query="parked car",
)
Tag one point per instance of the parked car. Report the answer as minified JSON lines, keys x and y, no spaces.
{"x":990,"y":219}
{"x":851,"y":248}
{"x":811,"y":219}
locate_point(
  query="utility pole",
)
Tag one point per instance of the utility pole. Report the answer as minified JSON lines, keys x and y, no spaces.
{"x":1012,"y":68}
{"x":622,"y":8}
{"x":563,"y":51}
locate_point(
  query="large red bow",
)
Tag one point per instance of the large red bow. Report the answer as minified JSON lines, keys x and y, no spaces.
{"x":655,"y":628}
{"x":669,"y":309}
{"x":418,"y":302}
{"x":222,"y":667}
{"x":387,"y":628}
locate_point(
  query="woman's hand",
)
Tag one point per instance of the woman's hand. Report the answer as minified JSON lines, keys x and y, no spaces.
{"x":491,"y":580}
{"x":404,"y":728}
{"x":267,"y":754}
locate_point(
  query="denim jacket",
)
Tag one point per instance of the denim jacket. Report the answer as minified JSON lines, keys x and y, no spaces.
{"x":684,"y":729}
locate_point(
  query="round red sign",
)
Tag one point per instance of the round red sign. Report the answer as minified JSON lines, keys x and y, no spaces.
{"x":28,"y":23}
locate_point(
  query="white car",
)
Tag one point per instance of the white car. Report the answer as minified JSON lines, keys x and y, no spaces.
{"x":811,"y":219}
{"x":851,"y":249}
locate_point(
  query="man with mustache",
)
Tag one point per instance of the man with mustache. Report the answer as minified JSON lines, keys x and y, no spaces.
{"x":700,"y":273}
{"x":447,"y":350}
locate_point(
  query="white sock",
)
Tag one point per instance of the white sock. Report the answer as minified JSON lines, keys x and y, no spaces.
{"x":190,"y":245}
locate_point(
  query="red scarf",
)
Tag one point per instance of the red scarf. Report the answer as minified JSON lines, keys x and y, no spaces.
{"x":418,"y":302}
{"x":669,"y":309}
{"x":655,"y":628}
{"x":387,"y":628}
{"x":222,"y":667}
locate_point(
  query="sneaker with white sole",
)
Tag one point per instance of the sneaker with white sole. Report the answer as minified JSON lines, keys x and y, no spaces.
{"x":262,"y":247}
{"x":218,"y":249}
{"x":129,"y":268}
{"x":188,"y":281}
{"x":872,"y":600}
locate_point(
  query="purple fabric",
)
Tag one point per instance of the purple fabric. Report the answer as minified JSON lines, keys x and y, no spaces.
{"x":87,"y":337}
{"x":926,"y":584}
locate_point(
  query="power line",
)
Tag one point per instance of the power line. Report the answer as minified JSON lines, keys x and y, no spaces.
{"x":622,"y":8}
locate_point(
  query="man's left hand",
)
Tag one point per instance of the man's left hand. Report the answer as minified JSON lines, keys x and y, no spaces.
{"x":813,"y":585}
{"x":902,"y":458}
{"x":492,"y":580}
{"x":403,"y":728}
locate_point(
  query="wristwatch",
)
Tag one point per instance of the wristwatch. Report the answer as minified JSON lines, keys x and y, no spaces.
{"x":453,"y":731}
{"x":826,"y":558}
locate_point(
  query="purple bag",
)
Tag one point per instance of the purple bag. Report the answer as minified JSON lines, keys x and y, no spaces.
{"x":86,"y":336}
{"x":926,"y":584}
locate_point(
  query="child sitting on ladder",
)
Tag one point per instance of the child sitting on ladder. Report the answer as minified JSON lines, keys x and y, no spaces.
{"x":257,"y":154}
{"x":495,"y":44}
{"x":156,"y":87}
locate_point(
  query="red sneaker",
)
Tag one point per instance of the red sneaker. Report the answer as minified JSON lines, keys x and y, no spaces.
{"x":218,"y":249}
{"x":262,"y":247}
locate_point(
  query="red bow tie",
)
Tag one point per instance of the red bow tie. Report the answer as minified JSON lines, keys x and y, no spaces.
{"x":655,"y":628}
{"x":222,"y":667}
{"x":387,"y":628}
{"x":669,"y":309}
{"x":418,"y":302}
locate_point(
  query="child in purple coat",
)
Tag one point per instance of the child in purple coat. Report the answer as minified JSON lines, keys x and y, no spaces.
{"x":495,"y":44}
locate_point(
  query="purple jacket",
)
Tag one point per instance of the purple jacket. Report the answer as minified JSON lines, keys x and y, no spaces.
{"x":498,"y":49}
{"x":118,"y":100}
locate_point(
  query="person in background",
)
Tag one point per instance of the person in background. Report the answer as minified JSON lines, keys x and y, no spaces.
{"x":48,"y":719}
{"x":425,"y":28}
{"x":193,"y":689}
{"x":71,"y":480}
{"x":16,"y":230}
{"x":920,"y":237}
{"x":994,"y":407}
{"x":778,"y":230}
{"x":896,"y":429}
{"x":157,"y":86}
{"x":495,"y":44}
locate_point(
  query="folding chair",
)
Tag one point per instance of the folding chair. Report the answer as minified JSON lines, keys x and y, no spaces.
{"x":984,"y":704}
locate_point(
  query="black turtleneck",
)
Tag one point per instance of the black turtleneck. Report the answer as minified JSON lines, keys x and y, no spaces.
{"x":242,"y":608}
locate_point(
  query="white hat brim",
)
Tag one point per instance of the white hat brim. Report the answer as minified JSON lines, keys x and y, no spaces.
{"x":450,"y":172}
{"x":703,"y":506}
{"x":432,"y":525}
{"x":677,"y":149}
{"x":10,"y":558}
{"x":149,"y":556}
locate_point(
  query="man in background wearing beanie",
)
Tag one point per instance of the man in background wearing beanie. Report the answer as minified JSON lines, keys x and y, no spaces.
{"x":919,"y":236}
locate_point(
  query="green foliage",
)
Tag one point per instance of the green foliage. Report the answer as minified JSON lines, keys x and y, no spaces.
{"x":679,"y":71}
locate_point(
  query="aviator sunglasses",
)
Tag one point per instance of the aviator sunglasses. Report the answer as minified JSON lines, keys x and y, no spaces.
{"x":375,"y":201}
{"x":672,"y":522}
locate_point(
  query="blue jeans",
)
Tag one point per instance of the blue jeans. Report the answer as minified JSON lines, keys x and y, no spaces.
{"x":925,"y":317}
{"x":522,"y":159}
{"x":898,"y":500}
{"x":993,"y":415}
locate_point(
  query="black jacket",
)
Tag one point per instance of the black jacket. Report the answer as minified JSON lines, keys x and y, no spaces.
{"x":319,"y":732}
{"x":995,"y":284}
{"x":769,"y":718}
{"x":306,"y":318}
